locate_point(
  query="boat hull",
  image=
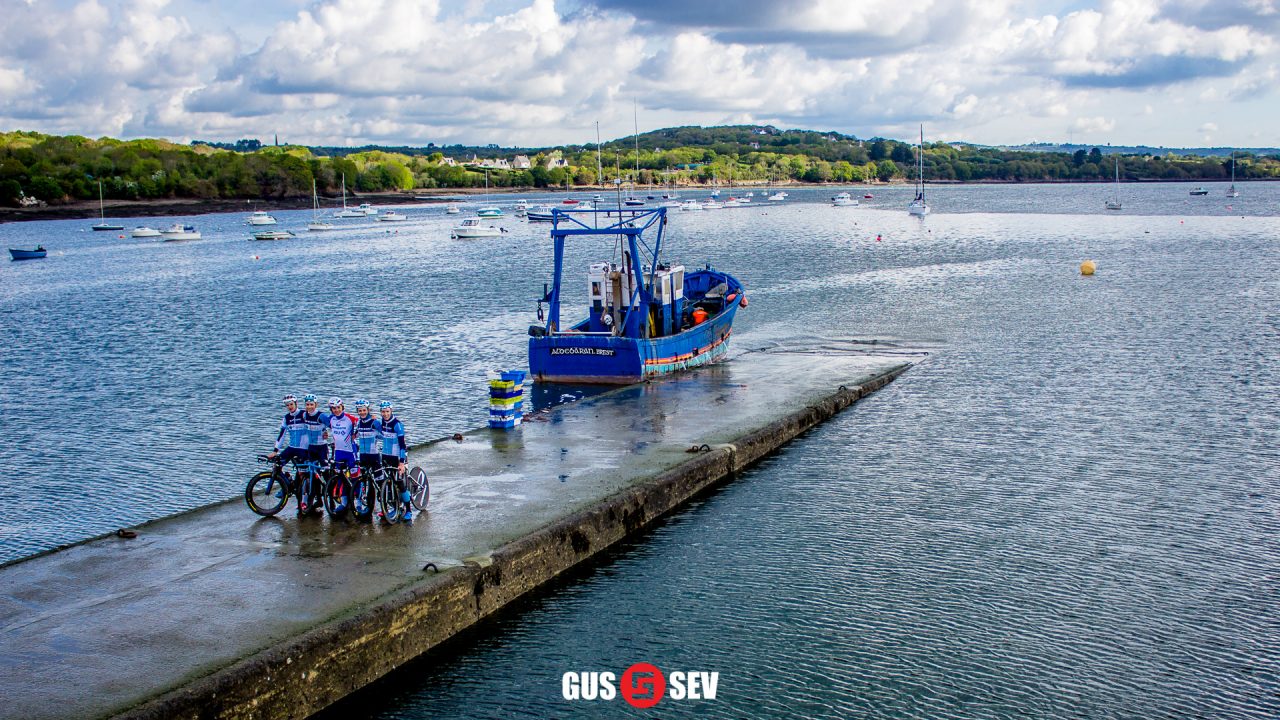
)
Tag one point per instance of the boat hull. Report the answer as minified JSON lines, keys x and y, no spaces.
{"x":16,"y":254}
{"x":608,"y":360}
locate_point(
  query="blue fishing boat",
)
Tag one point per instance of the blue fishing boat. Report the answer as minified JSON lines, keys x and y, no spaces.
{"x":39,"y":252}
{"x":645,"y":318}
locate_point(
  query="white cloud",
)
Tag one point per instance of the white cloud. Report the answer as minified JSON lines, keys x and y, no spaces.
{"x":534,"y":72}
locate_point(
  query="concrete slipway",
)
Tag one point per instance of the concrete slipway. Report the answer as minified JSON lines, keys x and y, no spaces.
{"x":217,"y":613}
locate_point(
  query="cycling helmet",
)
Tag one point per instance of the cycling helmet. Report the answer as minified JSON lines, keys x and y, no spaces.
{"x":362,"y":404}
{"x":308,"y":398}
{"x":335,"y":402}
{"x":385,"y":405}
{"x":290,"y":399}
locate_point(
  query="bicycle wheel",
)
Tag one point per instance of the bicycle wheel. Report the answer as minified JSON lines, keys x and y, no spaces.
{"x":363,"y":498}
{"x":389,"y":500}
{"x":419,"y":488}
{"x":337,"y":496}
{"x":266,"y":494}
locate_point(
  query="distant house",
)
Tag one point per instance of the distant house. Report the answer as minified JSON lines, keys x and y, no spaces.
{"x":497,"y":164}
{"x":448,"y":161}
{"x":555,"y":161}
{"x":521,"y":162}
{"x":755,"y":146}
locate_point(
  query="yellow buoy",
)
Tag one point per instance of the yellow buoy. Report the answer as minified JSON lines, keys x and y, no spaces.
{"x":1087,"y":267}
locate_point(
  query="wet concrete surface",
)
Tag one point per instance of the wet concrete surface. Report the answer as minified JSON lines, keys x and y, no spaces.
{"x":98,"y":628}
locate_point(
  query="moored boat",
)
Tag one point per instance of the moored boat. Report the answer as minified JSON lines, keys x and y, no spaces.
{"x":144,"y":232}
{"x":919,"y":206}
{"x":178,"y":231}
{"x":844,"y":199}
{"x":475,"y":228}
{"x":260,"y":217}
{"x":316,"y":224}
{"x":688,"y":205}
{"x":102,"y":224}
{"x":541,"y":213}
{"x":392,"y":216}
{"x":1199,"y":191}
{"x":20,"y":254}
{"x":367,"y":209}
{"x":489,"y":212}
{"x":643,"y":321}
{"x":273,"y":235}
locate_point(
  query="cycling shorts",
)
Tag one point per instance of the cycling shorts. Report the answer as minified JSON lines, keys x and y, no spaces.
{"x":343,"y":458}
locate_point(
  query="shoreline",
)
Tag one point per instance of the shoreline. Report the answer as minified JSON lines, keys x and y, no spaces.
{"x":169,"y":207}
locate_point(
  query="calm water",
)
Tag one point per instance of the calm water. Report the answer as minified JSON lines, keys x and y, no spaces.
{"x":1068,"y":509}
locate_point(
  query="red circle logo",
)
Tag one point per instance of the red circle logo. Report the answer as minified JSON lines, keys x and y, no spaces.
{"x":643,"y":685}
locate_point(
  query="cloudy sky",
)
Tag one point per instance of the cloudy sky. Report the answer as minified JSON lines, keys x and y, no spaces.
{"x":542,"y":72}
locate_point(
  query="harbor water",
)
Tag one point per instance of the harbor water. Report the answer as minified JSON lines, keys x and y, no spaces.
{"x":1066,"y":509}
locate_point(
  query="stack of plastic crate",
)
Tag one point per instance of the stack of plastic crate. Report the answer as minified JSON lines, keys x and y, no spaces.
{"x":506,"y":399}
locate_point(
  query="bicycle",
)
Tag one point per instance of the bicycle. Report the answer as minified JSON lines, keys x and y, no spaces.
{"x":268,"y":492}
{"x":338,"y":493}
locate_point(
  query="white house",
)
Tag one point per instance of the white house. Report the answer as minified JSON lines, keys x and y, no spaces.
{"x":521,"y":162}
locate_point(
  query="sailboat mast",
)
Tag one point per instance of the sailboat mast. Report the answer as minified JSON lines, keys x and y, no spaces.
{"x":635,"y":119}
{"x":599,"y":161}
{"x":102,"y":211}
{"x":920,"y":162}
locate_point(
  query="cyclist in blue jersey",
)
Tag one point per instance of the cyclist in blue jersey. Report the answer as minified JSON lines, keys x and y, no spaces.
{"x":394,"y":451}
{"x":291,"y":442}
{"x":341,"y":425}
{"x":366,"y":434}
{"x":314,"y":425}
{"x":366,"y":438}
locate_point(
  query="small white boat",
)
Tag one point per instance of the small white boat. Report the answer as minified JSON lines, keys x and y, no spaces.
{"x":475,"y":228}
{"x":367,"y":209}
{"x":272,"y":235}
{"x":521,"y":206}
{"x":179,"y":231}
{"x":316,"y":224}
{"x":844,"y":199}
{"x":778,"y":196}
{"x":261,"y":218}
{"x":452,"y":209}
{"x":1113,"y":202}
{"x":715,"y":193}
{"x":392,"y":216}
{"x":102,"y":224}
{"x":144,"y":232}
{"x":347,"y":212}
{"x":689,"y":205}
{"x":712,"y":204}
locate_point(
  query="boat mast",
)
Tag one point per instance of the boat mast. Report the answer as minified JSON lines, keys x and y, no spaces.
{"x":635,"y":119}
{"x":920,"y":162}
{"x":344,"y":191}
{"x":599,"y":161}
{"x":102,"y":211}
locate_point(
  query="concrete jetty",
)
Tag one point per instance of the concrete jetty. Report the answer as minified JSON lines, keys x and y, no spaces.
{"x":218,"y":613}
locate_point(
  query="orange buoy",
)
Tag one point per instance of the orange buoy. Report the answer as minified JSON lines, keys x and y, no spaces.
{"x":1088,"y":267}
{"x":743,"y":301}
{"x":699,"y":316}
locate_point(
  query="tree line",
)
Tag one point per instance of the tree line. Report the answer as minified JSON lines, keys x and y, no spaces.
{"x":57,"y":169}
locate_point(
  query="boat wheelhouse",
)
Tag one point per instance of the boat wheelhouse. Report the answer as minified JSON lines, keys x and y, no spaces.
{"x":645,"y":318}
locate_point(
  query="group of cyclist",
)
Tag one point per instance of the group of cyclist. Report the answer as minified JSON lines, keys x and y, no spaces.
{"x":361,"y":443}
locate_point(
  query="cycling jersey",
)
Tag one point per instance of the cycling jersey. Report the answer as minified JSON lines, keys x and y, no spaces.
{"x":314,"y":427}
{"x":366,"y":434}
{"x":341,"y":429}
{"x":292,"y":432}
{"x":391,"y":438}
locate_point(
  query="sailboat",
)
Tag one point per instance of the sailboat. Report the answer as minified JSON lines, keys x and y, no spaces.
{"x":1232,"y":192}
{"x":316,"y":223}
{"x":1113,"y":203}
{"x":489,"y":211}
{"x":919,"y":207}
{"x":102,"y":213}
{"x":633,"y":199}
{"x":346,"y":212}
